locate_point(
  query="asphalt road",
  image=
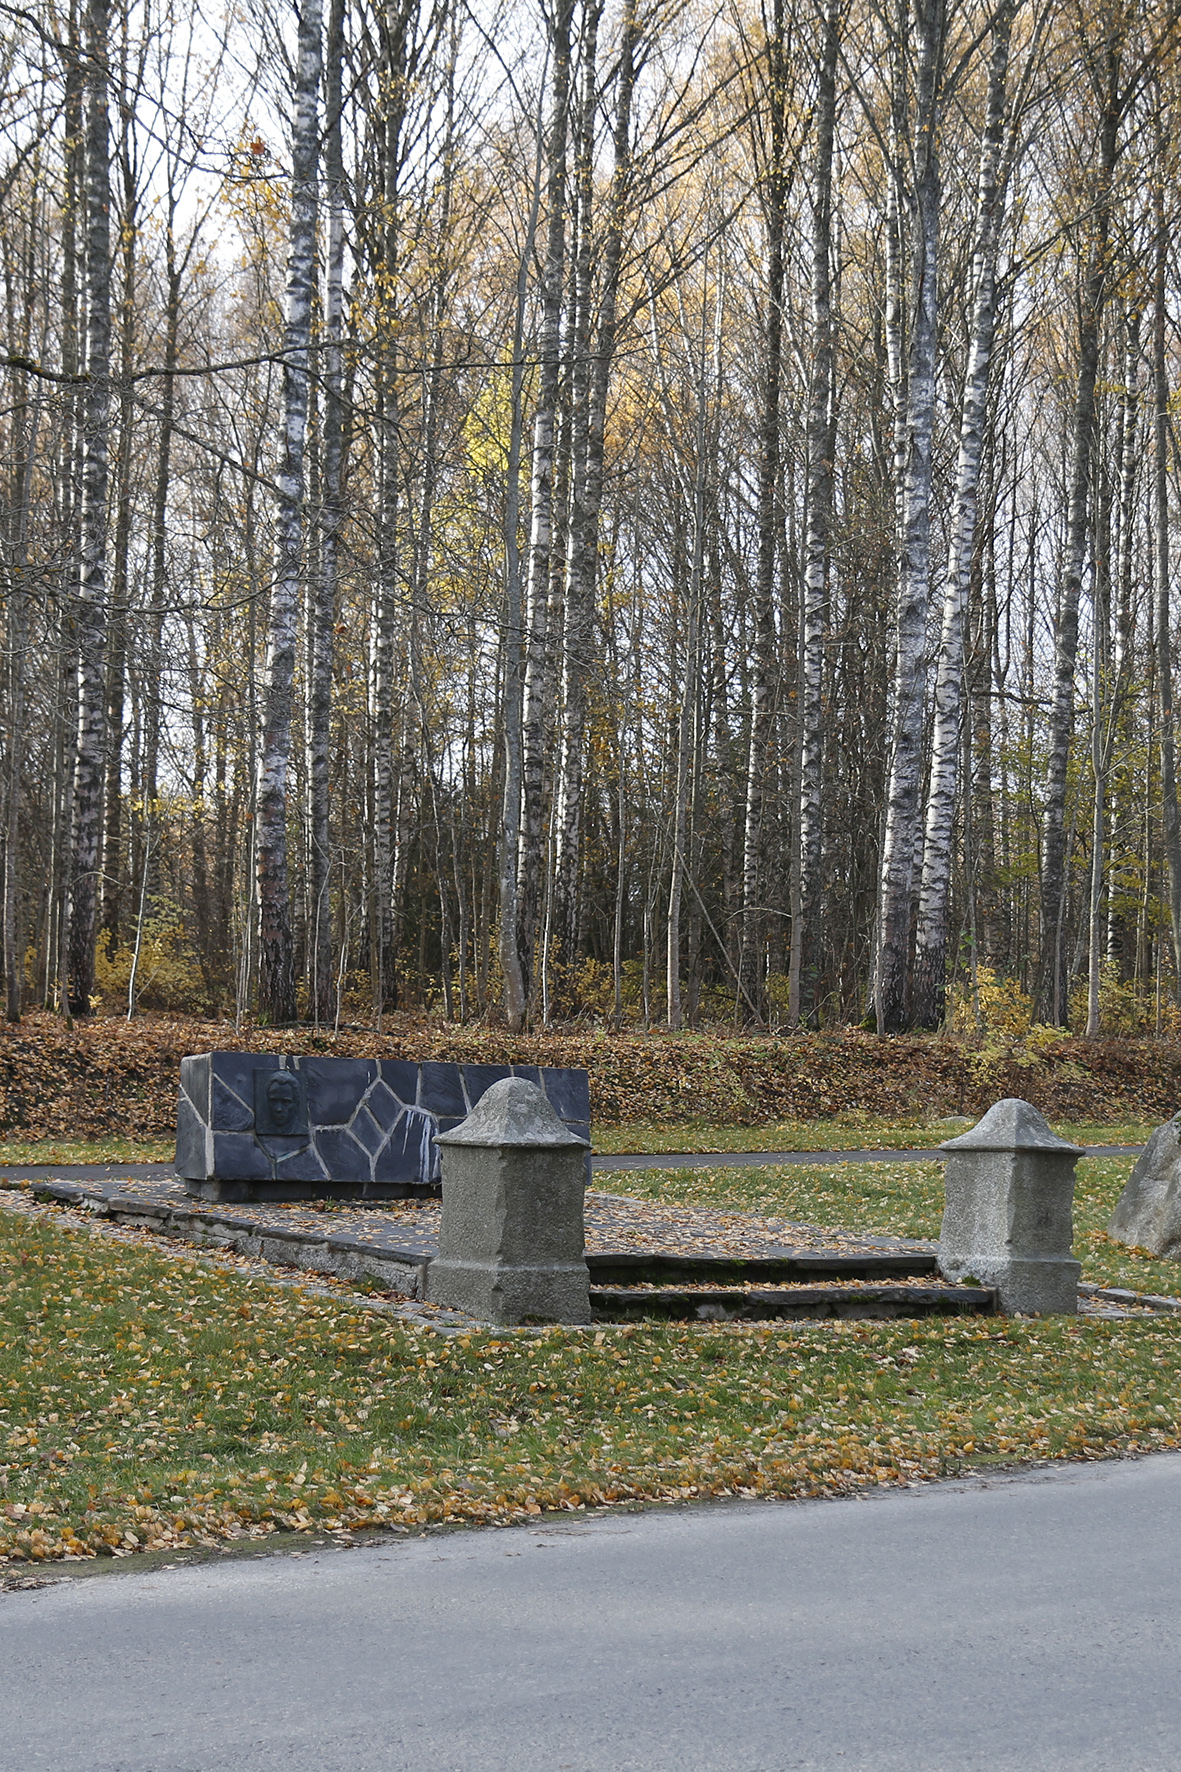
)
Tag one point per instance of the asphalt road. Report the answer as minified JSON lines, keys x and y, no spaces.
{"x":1024,"y":1625}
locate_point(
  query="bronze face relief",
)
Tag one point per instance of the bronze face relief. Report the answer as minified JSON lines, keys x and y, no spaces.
{"x":280,"y":1109}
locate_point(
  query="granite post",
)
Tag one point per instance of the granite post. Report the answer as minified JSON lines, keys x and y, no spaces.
{"x":1008,"y":1221}
{"x":511,"y":1242}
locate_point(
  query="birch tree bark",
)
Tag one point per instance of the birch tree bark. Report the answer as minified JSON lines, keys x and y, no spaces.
{"x":515,"y":643}
{"x":402,"y":50}
{"x":130,"y":91}
{"x":768,"y":495}
{"x":91,"y":608}
{"x":15,"y":631}
{"x":1171,"y":814}
{"x":26,"y":414}
{"x":539,"y":678}
{"x":1050,"y":996}
{"x":582,"y":541}
{"x":1109,"y":667}
{"x":804,"y":967}
{"x":903,"y":809}
{"x":276,"y":959}
{"x":930,"y":981}
{"x":322,"y":584}
{"x":708,"y":377}
{"x":26,"y":400}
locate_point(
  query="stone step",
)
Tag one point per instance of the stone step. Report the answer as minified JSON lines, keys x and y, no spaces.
{"x":700,"y":1304}
{"x":647,"y":1267}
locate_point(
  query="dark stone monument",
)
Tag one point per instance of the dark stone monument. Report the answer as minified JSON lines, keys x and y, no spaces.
{"x":270,"y":1127}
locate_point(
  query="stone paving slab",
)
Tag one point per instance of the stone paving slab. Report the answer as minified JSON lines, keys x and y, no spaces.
{"x":394,"y":1242}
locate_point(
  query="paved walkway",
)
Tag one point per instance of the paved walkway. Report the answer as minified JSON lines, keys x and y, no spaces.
{"x":600,"y":1164}
{"x":1014,"y":1625}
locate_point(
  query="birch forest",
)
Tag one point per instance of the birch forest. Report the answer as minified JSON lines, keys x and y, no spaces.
{"x":652,"y":512}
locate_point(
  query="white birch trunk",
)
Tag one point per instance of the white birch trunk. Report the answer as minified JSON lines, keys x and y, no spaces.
{"x":930,"y":983}
{"x":1108,"y":672}
{"x":91,"y":613}
{"x":763,"y":661}
{"x":903,"y":810}
{"x":388,"y":725}
{"x":805,"y":924}
{"x":539,"y":677}
{"x":276,"y":960}
{"x":582,"y":544}
{"x":1050,"y":998}
{"x":512,"y":712}
{"x":1171,"y":814}
{"x":322,"y":584}
{"x":687,"y":719}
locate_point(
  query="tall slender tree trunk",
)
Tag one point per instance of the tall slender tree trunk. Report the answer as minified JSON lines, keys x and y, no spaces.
{"x":26,"y":418}
{"x":688,"y":715}
{"x":804,"y":967}
{"x":1109,"y":668}
{"x":112,"y":871}
{"x":509,"y":836}
{"x":15,"y":638}
{"x":145,"y":819}
{"x":323,"y":583}
{"x":1100,"y":670}
{"x":393,"y":787}
{"x":1171,"y":814}
{"x":276,"y":959}
{"x":91,"y":617}
{"x":582,"y":540}
{"x":24,"y":429}
{"x":930,"y":982}
{"x":763,"y":660}
{"x":897,"y":236}
{"x":1050,"y":997}
{"x":539,"y":676}
{"x":903,"y":808}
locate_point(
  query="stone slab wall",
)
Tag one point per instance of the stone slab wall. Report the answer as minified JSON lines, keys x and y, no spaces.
{"x":288,"y":1127}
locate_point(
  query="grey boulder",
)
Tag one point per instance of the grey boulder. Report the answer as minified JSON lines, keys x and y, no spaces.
{"x":1148,"y":1215}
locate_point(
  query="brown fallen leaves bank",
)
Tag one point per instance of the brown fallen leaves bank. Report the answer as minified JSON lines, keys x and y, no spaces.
{"x":111,"y":1075}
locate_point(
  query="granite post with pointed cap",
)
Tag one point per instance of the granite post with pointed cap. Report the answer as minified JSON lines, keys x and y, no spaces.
{"x":1008,"y":1220}
{"x":511,"y":1243}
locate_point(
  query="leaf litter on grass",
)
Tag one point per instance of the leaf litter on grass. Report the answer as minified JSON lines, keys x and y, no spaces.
{"x":152,"y":1399}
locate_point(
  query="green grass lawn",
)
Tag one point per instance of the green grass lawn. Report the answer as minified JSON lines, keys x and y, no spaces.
{"x":847,"y":1132}
{"x":154,"y":1400}
{"x":93,"y":1150}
